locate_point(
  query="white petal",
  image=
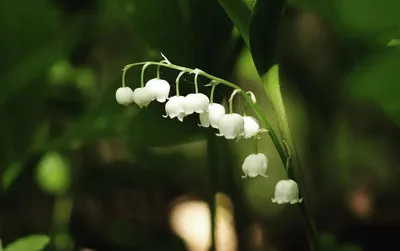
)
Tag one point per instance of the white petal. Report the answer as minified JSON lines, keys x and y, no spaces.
{"x":141,"y":97}
{"x":190,"y":103}
{"x":204,"y":121}
{"x":215,"y":112}
{"x":123,"y":95}
{"x":202,"y":103}
{"x":231,"y":125}
{"x":255,"y":164}
{"x":251,"y":126}
{"x":159,"y":89}
{"x":287,"y":191}
{"x":174,"y":107}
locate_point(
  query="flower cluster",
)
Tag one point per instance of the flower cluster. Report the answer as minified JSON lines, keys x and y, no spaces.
{"x":229,"y":124}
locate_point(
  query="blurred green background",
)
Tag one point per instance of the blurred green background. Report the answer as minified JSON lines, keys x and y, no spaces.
{"x":94,"y":175}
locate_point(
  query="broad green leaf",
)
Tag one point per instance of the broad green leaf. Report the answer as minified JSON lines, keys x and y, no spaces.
{"x":377,"y":79}
{"x":29,"y":243}
{"x":272,"y":87}
{"x":164,"y":25}
{"x":214,"y":36}
{"x":239,"y":13}
{"x":367,"y":17}
{"x":264,"y":24}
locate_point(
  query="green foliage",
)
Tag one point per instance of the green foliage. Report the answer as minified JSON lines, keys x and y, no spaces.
{"x":375,"y":80}
{"x":29,"y":243}
{"x":367,"y":18}
{"x":164,"y":25}
{"x":53,"y":174}
{"x":10,"y":174}
{"x":240,"y":16}
{"x":264,"y":25}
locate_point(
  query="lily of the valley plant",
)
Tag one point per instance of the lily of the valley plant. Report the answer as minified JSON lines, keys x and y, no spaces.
{"x":229,"y":124}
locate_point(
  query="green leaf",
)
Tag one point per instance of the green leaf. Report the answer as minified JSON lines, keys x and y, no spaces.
{"x":10,"y":174}
{"x":32,"y":39}
{"x":239,"y":13}
{"x":31,"y":66}
{"x":29,"y":243}
{"x":376,"y":79}
{"x":264,"y":25}
{"x":164,"y":26}
{"x":272,"y":87}
{"x":366,"y":17}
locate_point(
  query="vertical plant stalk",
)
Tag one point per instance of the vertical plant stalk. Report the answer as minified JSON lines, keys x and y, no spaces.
{"x":213,"y":173}
{"x":273,"y":90}
{"x":62,"y":210}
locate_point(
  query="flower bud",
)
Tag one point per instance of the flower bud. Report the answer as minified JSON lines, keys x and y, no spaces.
{"x":141,"y":97}
{"x":251,"y":127}
{"x":123,"y":95}
{"x":286,"y":191}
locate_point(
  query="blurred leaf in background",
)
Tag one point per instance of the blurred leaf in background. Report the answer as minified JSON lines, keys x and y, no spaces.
{"x":29,"y":243}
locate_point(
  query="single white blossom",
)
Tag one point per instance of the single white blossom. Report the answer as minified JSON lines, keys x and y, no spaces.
{"x":158,"y":89}
{"x":204,"y":120}
{"x":196,"y":102}
{"x":251,"y":126}
{"x":212,"y":115}
{"x":231,"y":126}
{"x":286,"y":191}
{"x":255,"y":164}
{"x":174,"y":108}
{"x":141,"y":97}
{"x":123,"y":95}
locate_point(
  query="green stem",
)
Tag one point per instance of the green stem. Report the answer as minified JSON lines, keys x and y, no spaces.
{"x":230,"y":106}
{"x":123,"y":78}
{"x":256,"y":144}
{"x":158,"y":68}
{"x":142,"y":75}
{"x":248,"y":99}
{"x":272,"y":88}
{"x":177,"y":82}
{"x":196,"y":85}
{"x":212,"y":93}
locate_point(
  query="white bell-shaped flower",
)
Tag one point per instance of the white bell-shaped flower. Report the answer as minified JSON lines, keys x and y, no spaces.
{"x":158,"y":89}
{"x":231,"y":126}
{"x":215,"y":112}
{"x":123,"y":95}
{"x":196,"y":102}
{"x":141,"y":97}
{"x":204,"y":120}
{"x":212,"y":115}
{"x":286,"y":191}
{"x":255,"y":164}
{"x":251,"y":126}
{"x":174,"y":107}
